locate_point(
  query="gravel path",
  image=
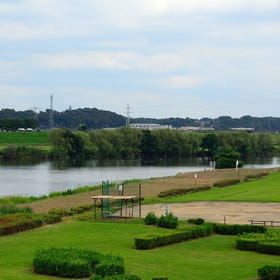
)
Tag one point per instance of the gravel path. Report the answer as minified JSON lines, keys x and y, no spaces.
{"x":232,"y":212}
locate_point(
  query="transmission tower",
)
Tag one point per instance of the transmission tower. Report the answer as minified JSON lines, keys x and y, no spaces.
{"x":51,"y":114}
{"x":127,"y":115}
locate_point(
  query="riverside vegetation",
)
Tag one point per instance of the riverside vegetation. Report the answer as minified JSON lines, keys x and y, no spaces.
{"x":128,"y":143}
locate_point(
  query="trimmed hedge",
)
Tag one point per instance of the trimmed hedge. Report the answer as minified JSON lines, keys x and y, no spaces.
{"x":255,"y":176}
{"x":117,"y":277}
{"x":269,"y":272}
{"x":269,"y":247}
{"x":249,"y":241}
{"x":177,"y":192}
{"x":173,"y":236}
{"x":76,"y":263}
{"x":196,"y":221}
{"x":19,"y":222}
{"x":225,"y":183}
{"x":227,"y":229}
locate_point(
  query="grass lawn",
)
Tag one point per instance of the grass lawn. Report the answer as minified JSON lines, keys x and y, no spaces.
{"x":207,"y":258}
{"x":260,"y":190}
{"x":26,"y":138}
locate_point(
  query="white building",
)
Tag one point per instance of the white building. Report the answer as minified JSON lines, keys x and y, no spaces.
{"x":150,"y":126}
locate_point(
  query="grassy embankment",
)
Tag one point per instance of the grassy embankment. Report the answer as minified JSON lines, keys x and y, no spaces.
{"x":258,"y":190}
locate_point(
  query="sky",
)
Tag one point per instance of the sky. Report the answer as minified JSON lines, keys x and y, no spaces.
{"x":148,"y":58}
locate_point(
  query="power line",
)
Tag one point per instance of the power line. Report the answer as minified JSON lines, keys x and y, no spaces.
{"x":127,"y":115}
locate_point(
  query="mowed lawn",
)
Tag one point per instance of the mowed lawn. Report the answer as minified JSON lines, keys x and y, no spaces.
{"x":266,"y":189}
{"x":213,"y":257}
{"x":24,"y":138}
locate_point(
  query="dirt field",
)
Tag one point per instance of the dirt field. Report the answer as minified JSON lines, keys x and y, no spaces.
{"x":233,"y":212}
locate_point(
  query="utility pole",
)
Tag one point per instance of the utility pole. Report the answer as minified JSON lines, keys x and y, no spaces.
{"x":51,"y":114}
{"x":127,"y":115}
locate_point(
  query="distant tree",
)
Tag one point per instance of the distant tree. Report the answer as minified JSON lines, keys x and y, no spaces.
{"x":226,"y":157}
{"x":149,"y":145}
{"x":209,"y":144}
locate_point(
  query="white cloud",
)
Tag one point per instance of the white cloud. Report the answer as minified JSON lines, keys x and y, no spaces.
{"x":183,"y":81}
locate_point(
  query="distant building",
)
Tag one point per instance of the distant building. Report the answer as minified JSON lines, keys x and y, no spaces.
{"x":150,"y":126}
{"x":195,"y":128}
{"x":248,"y":129}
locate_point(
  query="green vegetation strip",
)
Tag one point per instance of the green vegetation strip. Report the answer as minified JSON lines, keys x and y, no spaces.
{"x":260,"y":190}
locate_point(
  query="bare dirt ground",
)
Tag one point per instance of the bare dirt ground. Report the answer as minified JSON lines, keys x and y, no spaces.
{"x":233,"y":212}
{"x":229,"y":212}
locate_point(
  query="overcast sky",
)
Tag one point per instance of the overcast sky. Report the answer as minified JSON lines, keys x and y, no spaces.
{"x":165,"y":58}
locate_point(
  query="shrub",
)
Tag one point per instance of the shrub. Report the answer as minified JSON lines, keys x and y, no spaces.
{"x":168,"y":221}
{"x":269,"y":247}
{"x":225,"y":183}
{"x":116,"y":277}
{"x":269,"y":272}
{"x":196,"y":221}
{"x":59,"y":212}
{"x":150,"y":219}
{"x":110,"y":265}
{"x":51,"y":218}
{"x":160,"y":278}
{"x":255,"y":176}
{"x":11,"y":208}
{"x":177,"y":192}
{"x":76,"y":263}
{"x":227,"y":229}
{"x":249,"y":241}
{"x":174,"y":236}
{"x":13,"y":223}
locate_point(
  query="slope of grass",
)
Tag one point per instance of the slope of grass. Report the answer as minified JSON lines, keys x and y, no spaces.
{"x":30,"y":138}
{"x":260,"y":190}
{"x":207,"y":258}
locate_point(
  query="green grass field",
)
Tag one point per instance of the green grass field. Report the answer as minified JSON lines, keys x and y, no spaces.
{"x":30,"y":138}
{"x":208,"y":258}
{"x":259,"y":190}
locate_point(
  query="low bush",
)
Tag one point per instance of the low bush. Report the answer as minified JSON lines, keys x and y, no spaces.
{"x":269,"y":247}
{"x":116,"y":277}
{"x":13,"y":223}
{"x":177,"y":192}
{"x":150,"y":219}
{"x":255,"y":176}
{"x":227,"y":229}
{"x":225,"y":183}
{"x":76,"y":263}
{"x":168,"y":221}
{"x":173,"y":236}
{"x":269,"y":272}
{"x":249,"y":241}
{"x":51,"y":218}
{"x":60,"y":212}
{"x":11,"y":208}
{"x":196,"y":221}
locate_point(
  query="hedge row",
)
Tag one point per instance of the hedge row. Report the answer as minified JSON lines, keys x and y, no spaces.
{"x":227,"y":229}
{"x":226,"y":182}
{"x":255,"y":176}
{"x":269,"y":272}
{"x":262,"y":243}
{"x":164,"y":221}
{"x":173,"y":236}
{"x":76,"y":263}
{"x":116,"y":277}
{"x":13,"y":223}
{"x":74,"y":210}
{"x":177,"y":192}
{"x":156,"y":240}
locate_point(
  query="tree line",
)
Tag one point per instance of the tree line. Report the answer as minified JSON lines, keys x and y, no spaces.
{"x":128,"y":143}
{"x":94,"y":118}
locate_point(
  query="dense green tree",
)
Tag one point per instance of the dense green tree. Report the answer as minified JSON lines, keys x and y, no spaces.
{"x":149,"y":145}
{"x":226,"y":157}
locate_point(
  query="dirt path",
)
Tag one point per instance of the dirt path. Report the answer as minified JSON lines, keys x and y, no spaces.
{"x":233,"y":212}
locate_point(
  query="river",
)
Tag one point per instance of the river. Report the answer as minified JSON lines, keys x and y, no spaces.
{"x":43,"y":178}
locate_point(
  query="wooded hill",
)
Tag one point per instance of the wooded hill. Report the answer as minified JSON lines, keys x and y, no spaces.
{"x":95,"y":119}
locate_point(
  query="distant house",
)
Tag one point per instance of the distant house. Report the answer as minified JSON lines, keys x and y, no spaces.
{"x":21,"y":129}
{"x":195,"y":128}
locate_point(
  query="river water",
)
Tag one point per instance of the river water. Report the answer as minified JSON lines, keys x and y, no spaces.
{"x":42,"y":178}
